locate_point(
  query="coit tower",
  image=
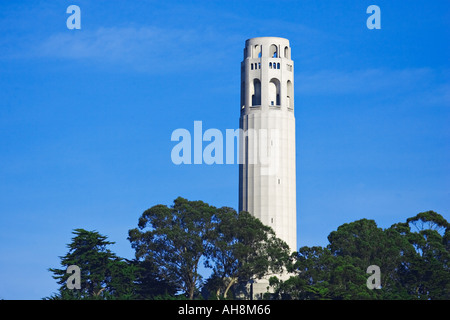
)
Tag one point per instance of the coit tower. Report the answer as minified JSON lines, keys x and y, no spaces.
{"x":267,"y":149}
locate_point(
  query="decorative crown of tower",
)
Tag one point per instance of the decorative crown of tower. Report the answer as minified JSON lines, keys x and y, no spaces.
{"x":267,"y":75}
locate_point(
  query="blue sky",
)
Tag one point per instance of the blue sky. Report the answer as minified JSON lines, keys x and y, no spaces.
{"x":86,"y":116}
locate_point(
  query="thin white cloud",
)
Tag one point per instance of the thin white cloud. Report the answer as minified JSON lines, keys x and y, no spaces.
{"x":362,"y":81}
{"x":418,"y":86}
{"x":144,"y":49}
{"x":152,"y":49}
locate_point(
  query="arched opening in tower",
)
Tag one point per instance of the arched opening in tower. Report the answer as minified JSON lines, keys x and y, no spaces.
{"x":256,"y":92}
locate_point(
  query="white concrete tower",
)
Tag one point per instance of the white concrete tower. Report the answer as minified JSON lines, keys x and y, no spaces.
{"x":267,"y":170}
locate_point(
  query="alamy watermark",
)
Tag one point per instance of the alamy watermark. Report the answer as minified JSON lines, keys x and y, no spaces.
{"x":74,"y":281}
{"x":74,"y":20}
{"x":374,"y":281}
{"x":249,"y":147}
{"x":374,"y":20}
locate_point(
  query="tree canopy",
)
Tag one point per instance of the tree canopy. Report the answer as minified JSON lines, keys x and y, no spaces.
{"x":172,"y":242}
{"x":178,"y":239}
{"x":414,"y":263}
{"x":174,"y":239}
{"x":103,"y":275}
{"x":242,"y":248}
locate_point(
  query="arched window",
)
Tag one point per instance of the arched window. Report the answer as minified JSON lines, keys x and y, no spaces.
{"x":286,"y":52}
{"x":270,"y":65}
{"x":273,"y":51}
{"x":256,"y":51}
{"x":290,"y":95}
{"x":251,"y":65}
{"x":274,"y":92}
{"x":278,"y":65}
{"x":256,"y":92}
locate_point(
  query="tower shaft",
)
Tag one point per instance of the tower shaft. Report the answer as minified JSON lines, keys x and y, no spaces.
{"x":267,"y":174}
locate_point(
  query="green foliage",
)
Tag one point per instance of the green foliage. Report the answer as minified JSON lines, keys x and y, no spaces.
{"x":171,"y":242}
{"x":150,"y":283}
{"x":174,"y":240}
{"x":238,"y":247}
{"x":103,"y":274}
{"x":426,"y":273}
{"x":414,"y":265}
{"x":241,"y":248}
